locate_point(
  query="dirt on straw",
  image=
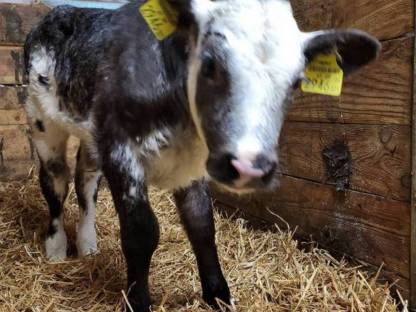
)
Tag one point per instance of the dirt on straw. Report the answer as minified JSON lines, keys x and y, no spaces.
{"x":266,"y":271}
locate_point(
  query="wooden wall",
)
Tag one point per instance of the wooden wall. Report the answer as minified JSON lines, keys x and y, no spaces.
{"x":16,"y":153}
{"x":346,"y":161}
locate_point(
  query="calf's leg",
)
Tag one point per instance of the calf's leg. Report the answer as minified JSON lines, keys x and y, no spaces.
{"x":50,"y":143}
{"x":195,"y":209}
{"x":87,"y":179}
{"x":138,"y":225}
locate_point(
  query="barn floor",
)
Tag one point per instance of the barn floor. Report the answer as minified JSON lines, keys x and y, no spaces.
{"x":266,"y":271}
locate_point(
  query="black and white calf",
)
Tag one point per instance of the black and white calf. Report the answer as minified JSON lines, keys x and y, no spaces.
{"x":206,"y":103}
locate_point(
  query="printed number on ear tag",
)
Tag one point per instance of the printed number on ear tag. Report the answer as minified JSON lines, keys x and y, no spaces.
{"x":323,"y":76}
{"x":160,"y":17}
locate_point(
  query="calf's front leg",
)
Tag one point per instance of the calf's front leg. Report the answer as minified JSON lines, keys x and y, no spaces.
{"x":195,"y":209}
{"x":138,"y":225}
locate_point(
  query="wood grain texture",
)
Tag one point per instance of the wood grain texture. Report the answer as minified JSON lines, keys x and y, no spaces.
{"x":380,"y":93}
{"x":13,"y":117}
{"x":12,"y":97}
{"x":412,"y":296}
{"x":364,"y":226}
{"x":17,"y":20}
{"x":380,"y":155}
{"x":383,"y":19}
{"x":14,"y":143}
{"x":11,"y":65}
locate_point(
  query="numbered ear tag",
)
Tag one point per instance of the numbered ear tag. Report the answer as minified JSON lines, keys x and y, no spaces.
{"x":323,"y":76}
{"x":160,"y":17}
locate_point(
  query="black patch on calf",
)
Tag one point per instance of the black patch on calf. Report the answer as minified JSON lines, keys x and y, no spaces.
{"x":39,"y":125}
{"x":213,"y":94}
{"x":337,"y":159}
{"x":56,"y":167}
{"x":54,"y":203}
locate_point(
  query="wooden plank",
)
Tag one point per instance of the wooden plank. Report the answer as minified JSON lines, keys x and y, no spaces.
{"x":379,"y":156}
{"x":364,"y":226}
{"x":11,"y":65}
{"x":13,"y":117}
{"x":384,"y":19}
{"x":412,"y":297}
{"x":17,"y":20}
{"x":12,"y":97}
{"x":378,"y":94}
{"x":14,"y":143}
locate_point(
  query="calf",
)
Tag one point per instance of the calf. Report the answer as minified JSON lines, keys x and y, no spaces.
{"x":205,"y":103}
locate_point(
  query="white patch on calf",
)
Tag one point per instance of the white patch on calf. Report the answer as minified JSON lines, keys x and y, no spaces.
{"x":153,"y":142}
{"x":125,"y":156}
{"x":56,"y":244}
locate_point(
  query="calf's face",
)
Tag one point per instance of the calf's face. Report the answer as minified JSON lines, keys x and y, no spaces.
{"x":246,"y":60}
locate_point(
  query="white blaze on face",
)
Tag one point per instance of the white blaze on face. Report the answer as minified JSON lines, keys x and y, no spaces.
{"x":264,"y":52}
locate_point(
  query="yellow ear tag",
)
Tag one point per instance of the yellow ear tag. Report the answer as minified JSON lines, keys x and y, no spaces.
{"x":160,"y":17}
{"x":323,"y":76}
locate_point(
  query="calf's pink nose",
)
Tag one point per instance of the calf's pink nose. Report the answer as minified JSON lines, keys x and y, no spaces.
{"x":246,"y":170}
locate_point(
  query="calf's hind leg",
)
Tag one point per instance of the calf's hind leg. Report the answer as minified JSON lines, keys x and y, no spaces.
{"x":195,"y":209}
{"x":87,"y":179}
{"x":50,"y":143}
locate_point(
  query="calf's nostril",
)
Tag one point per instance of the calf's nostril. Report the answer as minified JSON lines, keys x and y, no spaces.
{"x":266,"y":164}
{"x":268,"y":175}
{"x":221,"y":168}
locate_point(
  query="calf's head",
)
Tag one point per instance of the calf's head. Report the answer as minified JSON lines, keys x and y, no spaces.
{"x":246,"y":58}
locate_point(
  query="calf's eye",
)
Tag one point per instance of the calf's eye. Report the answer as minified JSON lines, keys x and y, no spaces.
{"x":209,"y":67}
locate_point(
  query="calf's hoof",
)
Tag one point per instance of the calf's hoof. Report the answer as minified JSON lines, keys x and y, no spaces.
{"x":55,"y":246}
{"x":86,"y":239}
{"x":214,"y":290}
{"x":138,"y":301}
{"x":87,"y":246}
{"x":137,"y":307}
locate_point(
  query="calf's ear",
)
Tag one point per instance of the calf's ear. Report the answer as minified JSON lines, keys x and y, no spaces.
{"x":197,"y":11}
{"x":355,"y":48}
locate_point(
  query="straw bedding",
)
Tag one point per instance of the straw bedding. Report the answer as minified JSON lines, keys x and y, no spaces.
{"x":266,"y":271}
